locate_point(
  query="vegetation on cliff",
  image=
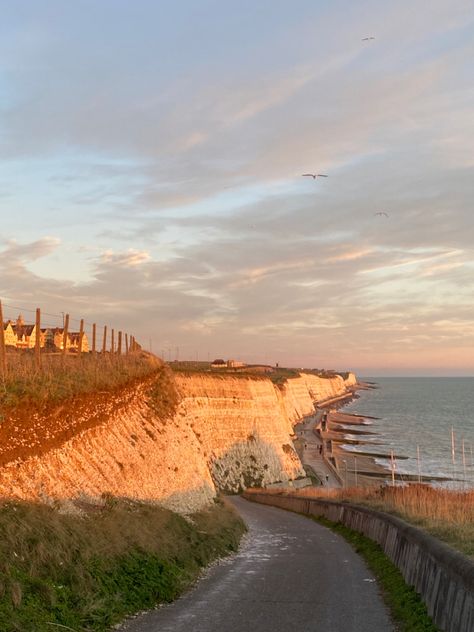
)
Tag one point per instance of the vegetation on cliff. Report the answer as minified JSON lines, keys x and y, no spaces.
{"x":88,"y":569}
{"x":41,"y":410}
{"x":278,"y":375}
{"x":61,"y":378}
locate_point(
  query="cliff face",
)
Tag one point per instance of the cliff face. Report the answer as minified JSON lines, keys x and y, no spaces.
{"x":300,"y":394}
{"x":242,"y":426}
{"x":227,"y":433}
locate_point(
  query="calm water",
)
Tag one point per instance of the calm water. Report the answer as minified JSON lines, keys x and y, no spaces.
{"x":421,"y":411}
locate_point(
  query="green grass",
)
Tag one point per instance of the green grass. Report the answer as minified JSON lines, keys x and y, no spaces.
{"x":89,"y":571}
{"x":408,"y":610}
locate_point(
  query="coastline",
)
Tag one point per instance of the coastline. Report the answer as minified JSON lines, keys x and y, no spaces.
{"x":355,"y":468}
{"x":359,"y":467}
{"x":352,"y":469}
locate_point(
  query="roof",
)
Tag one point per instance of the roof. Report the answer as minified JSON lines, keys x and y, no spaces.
{"x":24,"y":330}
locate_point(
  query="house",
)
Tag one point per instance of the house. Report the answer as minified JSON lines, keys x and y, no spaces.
{"x":25,"y":336}
{"x":235,"y":364}
{"x":19,"y":334}
{"x":9,"y":334}
{"x":74,"y":338}
{"x":55,"y":340}
{"x":219,"y":364}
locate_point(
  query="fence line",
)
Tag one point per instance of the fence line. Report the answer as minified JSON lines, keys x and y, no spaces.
{"x":45,"y":337}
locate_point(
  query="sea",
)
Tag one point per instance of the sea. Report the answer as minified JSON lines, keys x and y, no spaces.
{"x":422,"y":415}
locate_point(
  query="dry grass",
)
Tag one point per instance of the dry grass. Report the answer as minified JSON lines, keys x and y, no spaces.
{"x":448,"y":515}
{"x":62,"y":378}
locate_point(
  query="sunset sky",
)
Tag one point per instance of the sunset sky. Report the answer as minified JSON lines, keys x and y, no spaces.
{"x":151,"y":161}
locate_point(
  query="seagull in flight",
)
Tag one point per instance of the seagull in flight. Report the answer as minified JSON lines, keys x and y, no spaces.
{"x":366,"y":39}
{"x":314,"y":175}
{"x":381,"y":213}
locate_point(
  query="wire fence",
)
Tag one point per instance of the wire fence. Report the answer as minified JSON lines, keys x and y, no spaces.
{"x":39,"y":332}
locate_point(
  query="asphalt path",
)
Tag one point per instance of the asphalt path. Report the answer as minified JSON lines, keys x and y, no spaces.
{"x":290,"y":574}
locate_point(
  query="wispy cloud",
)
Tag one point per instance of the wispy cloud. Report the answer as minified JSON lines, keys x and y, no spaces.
{"x":171,"y":182}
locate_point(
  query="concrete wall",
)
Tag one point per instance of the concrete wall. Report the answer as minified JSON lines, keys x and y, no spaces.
{"x":443,"y":577}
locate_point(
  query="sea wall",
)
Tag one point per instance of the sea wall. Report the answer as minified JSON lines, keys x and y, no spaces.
{"x":443,"y":577}
{"x":228,"y":433}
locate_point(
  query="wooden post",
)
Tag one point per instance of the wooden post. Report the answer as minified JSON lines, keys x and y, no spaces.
{"x":126,"y":344}
{"x":3,"y":351}
{"x":81,"y":336}
{"x":104,"y":340}
{"x":119,"y":343}
{"x":94,"y":332}
{"x":112,"y":344}
{"x":65,"y":333}
{"x":38,"y":338}
{"x":132,"y":343}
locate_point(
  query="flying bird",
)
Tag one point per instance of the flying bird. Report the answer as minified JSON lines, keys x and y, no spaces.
{"x":380,"y":213}
{"x":314,"y":175}
{"x":366,"y":39}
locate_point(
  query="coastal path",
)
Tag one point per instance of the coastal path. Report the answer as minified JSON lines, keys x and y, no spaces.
{"x":290,"y":574}
{"x":310,"y":450}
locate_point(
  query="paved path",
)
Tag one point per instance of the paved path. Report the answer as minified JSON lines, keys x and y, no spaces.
{"x":310,"y":450}
{"x":290,"y":575}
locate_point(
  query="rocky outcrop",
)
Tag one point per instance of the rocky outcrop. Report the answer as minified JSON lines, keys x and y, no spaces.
{"x":227,"y":433}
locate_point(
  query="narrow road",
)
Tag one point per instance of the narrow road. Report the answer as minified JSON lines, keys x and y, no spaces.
{"x":290,"y":575}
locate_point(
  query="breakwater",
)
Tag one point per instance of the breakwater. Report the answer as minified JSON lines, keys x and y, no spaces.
{"x":443,"y":577}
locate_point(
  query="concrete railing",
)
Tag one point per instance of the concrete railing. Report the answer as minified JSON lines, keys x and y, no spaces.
{"x":442,"y":577}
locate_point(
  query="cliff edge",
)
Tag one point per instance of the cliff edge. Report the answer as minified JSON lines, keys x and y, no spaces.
{"x":226,"y":433}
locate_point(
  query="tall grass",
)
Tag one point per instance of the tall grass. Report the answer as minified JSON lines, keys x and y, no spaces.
{"x":88,"y":570}
{"x":61,"y":378}
{"x":446,"y":514}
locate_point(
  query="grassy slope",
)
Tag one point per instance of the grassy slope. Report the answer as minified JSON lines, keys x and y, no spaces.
{"x":61,"y":378}
{"x":88,"y":571}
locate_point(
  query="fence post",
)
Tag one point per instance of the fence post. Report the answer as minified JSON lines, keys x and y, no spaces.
{"x":38,"y":338}
{"x":93,"y":338}
{"x":104,"y":340}
{"x":81,"y":336}
{"x":126,"y":344}
{"x":112,"y":343}
{"x":119,"y":343}
{"x":65,"y":333}
{"x":3,"y":351}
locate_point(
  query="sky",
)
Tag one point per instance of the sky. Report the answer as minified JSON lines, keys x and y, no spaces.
{"x":151,"y":177}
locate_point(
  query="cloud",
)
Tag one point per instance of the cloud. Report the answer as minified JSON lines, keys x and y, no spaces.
{"x":176,"y":178}
{"x":129,"y":259}
{"x":18,"y":254}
